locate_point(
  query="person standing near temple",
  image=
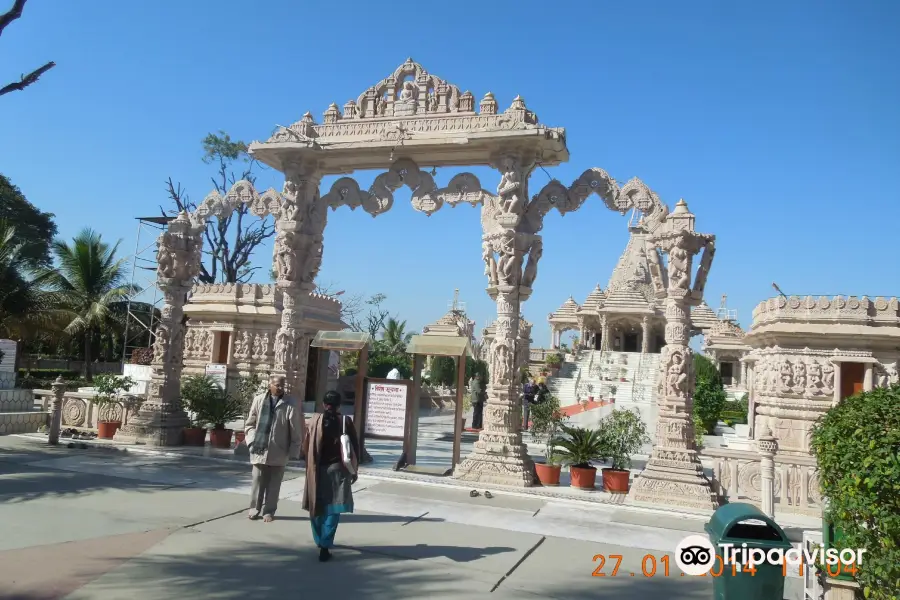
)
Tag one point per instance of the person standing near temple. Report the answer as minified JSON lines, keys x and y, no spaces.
{"x":330,"y":472}
{"x":528,"y":391}
{"x":477,"y":397}
{"x":274,"y":434}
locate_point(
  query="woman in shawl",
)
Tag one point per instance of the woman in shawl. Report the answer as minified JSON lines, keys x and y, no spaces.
{"x":328,"y":479}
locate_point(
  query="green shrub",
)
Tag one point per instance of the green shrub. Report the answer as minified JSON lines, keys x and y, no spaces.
{"x":477,"y":367}
{"x":699,"y":430}
{"x":443,"y":371}
{"x":50,"y":374}
{"x":382,"y":363}
{"x":554,"y":360}
{"x":623,"y":433}
{"x":546,"y":420}
{"x":709,"y":393}
{"x":857,"y":447}
{"x":578,"y":446}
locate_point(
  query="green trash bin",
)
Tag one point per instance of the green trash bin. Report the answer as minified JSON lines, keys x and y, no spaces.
{"x":739,"y":523}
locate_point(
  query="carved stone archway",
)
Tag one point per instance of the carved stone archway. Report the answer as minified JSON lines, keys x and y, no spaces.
{"x":424,"y":120}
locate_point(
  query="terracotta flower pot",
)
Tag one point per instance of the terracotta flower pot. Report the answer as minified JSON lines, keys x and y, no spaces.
{"x":220,"y":438}
{"x":194,"y":436}
{"x":616,"y":481}
{"x":107,"y":429}
{"x":583,"y":478}
{"x":547,"y":474}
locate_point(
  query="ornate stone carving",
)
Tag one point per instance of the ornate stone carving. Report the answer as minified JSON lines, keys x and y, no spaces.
{"x":74,"y":412}
{"x":111,"y":411}
{"x":242,"y":345}
{"x":534,"y":256}
{"x":676,"y":373}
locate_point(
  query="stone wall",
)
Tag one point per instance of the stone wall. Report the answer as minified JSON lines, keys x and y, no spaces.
{"x":801,"y":346}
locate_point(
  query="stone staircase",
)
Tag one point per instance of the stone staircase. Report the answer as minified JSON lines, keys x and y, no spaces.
{"x":601,"y":372}
{"x":17,"y":411}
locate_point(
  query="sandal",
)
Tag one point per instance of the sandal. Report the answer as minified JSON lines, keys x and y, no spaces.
{"x":488,"y":495}
{"x":474,"y":494}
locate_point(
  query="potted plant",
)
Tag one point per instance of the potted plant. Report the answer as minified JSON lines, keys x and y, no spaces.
{"x":623,"y":374}
{"x":612,"y":393}
{"x":554,"y":361}
{"x":578,"y":447}
{"x":590,"y":390}
{"x":221,"y":408}
{"x":197,"y":392}
{"x":107,"y":387}
{"x":623,"y":434}
{"x":546,"y":419}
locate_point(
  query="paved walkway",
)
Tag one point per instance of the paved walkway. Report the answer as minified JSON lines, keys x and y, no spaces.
{"x":94,"y":524}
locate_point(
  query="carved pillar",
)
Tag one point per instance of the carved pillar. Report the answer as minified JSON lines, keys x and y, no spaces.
{"x":499,"y":456}
{"x":299,"y":243}
{"x":767,"y":446}
{"x":837,"y":383}
{"x":645,"y":339}
{"x":744,"y":375}
{"x":59,"y":388}
{"x":604,"y":334}
{"x":161,"y":419}
{"x":869,"y":378}
{"x":674,"y":475}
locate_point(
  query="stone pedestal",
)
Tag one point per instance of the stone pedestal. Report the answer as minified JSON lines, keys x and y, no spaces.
{"x":673,"y":475}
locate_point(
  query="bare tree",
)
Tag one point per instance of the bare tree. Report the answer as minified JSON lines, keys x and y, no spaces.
{"x":229,"y":261}
{"x":25,"y":80}
{"x":350,"y":305}
{"x":373,"y":322}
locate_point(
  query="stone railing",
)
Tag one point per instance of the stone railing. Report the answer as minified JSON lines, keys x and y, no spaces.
{"x":541,"y":354}
{"x":737,"y":477}
{"x":80,"y":410}
{"x":847,"y":309}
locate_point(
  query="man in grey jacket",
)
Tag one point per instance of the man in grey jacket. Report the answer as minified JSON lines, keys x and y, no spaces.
{"x":274,"y":434}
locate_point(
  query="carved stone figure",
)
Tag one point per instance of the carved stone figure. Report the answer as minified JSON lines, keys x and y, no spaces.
{"x":406,"y":104}
{"x":283,"y":349}
{"x":242,"y":347}
{"x":508,"y":265}
{"x":490,"y":263}
{"x":799,"y":376}
{"x":165,"y":260}
{"x":787,"y":375}
{"x":510,"y":191}
{"x":534,"y":255}
{"x":161,"y":344}
{"x":814,"y":383}
{"x":500,"y":363}
{"x":679,"y":266}
{"x":676,"y":377}
{"x":285,"y":256}
{"x":828,"y":377}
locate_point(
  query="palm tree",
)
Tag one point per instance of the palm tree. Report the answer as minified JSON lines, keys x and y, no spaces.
{"x":90,"y":281}
{"x":394,"y":336}
{"x":26,"y":306}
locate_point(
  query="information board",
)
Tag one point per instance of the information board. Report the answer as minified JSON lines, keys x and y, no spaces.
{"x":219,"y":374}
{"x":385,"y":412}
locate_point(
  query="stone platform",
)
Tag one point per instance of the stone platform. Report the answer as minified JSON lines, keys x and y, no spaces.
{"x":17,"y":412}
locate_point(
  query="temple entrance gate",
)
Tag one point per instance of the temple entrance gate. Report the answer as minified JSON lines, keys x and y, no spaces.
{"x":414,"y":118}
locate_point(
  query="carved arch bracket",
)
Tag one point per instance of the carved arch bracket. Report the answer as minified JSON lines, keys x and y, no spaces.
{"x":426,"y":196}
{"x":633,"y":195}
{"x":242,"y":192}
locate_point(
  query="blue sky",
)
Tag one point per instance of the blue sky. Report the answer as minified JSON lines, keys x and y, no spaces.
{"x":777,"y":122}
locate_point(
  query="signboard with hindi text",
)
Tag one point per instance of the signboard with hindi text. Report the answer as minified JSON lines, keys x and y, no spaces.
{"x":386,"y":408}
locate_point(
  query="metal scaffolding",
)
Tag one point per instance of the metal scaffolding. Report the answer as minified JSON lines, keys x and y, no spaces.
{"x":143,"y":302}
